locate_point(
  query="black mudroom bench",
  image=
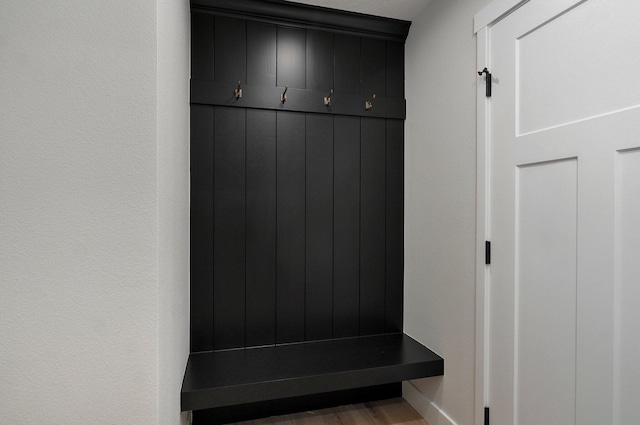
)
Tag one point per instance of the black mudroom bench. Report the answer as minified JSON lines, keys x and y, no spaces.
{"x":233,"y":377}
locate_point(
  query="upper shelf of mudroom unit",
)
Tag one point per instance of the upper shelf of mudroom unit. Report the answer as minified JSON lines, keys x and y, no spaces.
{"x":307,"y":16}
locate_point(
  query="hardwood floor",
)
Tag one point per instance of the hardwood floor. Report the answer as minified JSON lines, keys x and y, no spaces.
{"x":386,"y":412}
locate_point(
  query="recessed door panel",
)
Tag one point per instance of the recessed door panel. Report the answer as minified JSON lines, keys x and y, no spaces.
{"x":546,"y":290}
{"x":579,"y":65}
{"x":627,"y":298}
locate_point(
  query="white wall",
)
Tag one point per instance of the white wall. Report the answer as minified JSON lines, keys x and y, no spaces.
{"x":84,"y":309}
{"x":440,"y":184}
{"x":174,"y":34}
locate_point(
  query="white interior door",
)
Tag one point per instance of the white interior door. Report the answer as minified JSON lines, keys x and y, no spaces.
{"x":564,"y":212}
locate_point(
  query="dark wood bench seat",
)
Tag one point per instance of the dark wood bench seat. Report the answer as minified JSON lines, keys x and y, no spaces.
{"x":233,"y":377}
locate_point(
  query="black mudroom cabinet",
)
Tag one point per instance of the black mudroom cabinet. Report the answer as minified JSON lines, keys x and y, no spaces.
{"x":297,"y":149}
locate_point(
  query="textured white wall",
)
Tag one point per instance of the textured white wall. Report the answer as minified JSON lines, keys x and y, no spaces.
{"x":83,"y":297}
{"x":174,"y":34}
{"x":440,"y":211}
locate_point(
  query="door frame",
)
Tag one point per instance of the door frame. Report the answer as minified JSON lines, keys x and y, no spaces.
{"x":483,"y":20}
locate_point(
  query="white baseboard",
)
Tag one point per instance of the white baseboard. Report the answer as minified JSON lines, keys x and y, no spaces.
{"x":426,"y":407}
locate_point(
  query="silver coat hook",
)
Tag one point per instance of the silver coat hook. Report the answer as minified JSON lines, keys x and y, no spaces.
{"x":283,"y":96}
{"x":369,"y":104}
{"x":327,"y":99}
{"x":238,"y":91}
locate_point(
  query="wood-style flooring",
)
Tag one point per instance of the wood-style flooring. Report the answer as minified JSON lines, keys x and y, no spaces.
{"x":386,"y":412}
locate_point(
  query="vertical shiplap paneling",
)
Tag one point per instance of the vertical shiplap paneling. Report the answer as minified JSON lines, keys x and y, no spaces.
{"x":347,"y":65}
{"x":291,"y":57}
{"x":395,"y":69}
{"x":229,"y":228}
{"x":319,"y":61}
{"x":202,"y":123}
{"x":230,"y":50}
{"x":346,"y":227}
{"x":374,"y":59}
{"x":372,"y":226}
{"x":290,"y":271}
{"x":261,"y":228}
{"x":308,"y":233}
{"x":202,"y":47}
{"x":319,"y":227}
{"x":261,"y":54}
{"x":394,"y":225}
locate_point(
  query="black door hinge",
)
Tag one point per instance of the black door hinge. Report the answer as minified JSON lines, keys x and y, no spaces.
{"x":486,"y":416}
{"x":487,"y":79}
{"x":487,"y":252}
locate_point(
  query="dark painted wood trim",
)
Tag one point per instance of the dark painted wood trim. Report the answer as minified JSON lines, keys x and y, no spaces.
{"x":201,"y":229}
{"x":306,"y":16}
{"x":298,"y":100}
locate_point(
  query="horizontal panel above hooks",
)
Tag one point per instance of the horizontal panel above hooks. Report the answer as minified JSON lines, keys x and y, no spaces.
{"x":296,"y":100}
